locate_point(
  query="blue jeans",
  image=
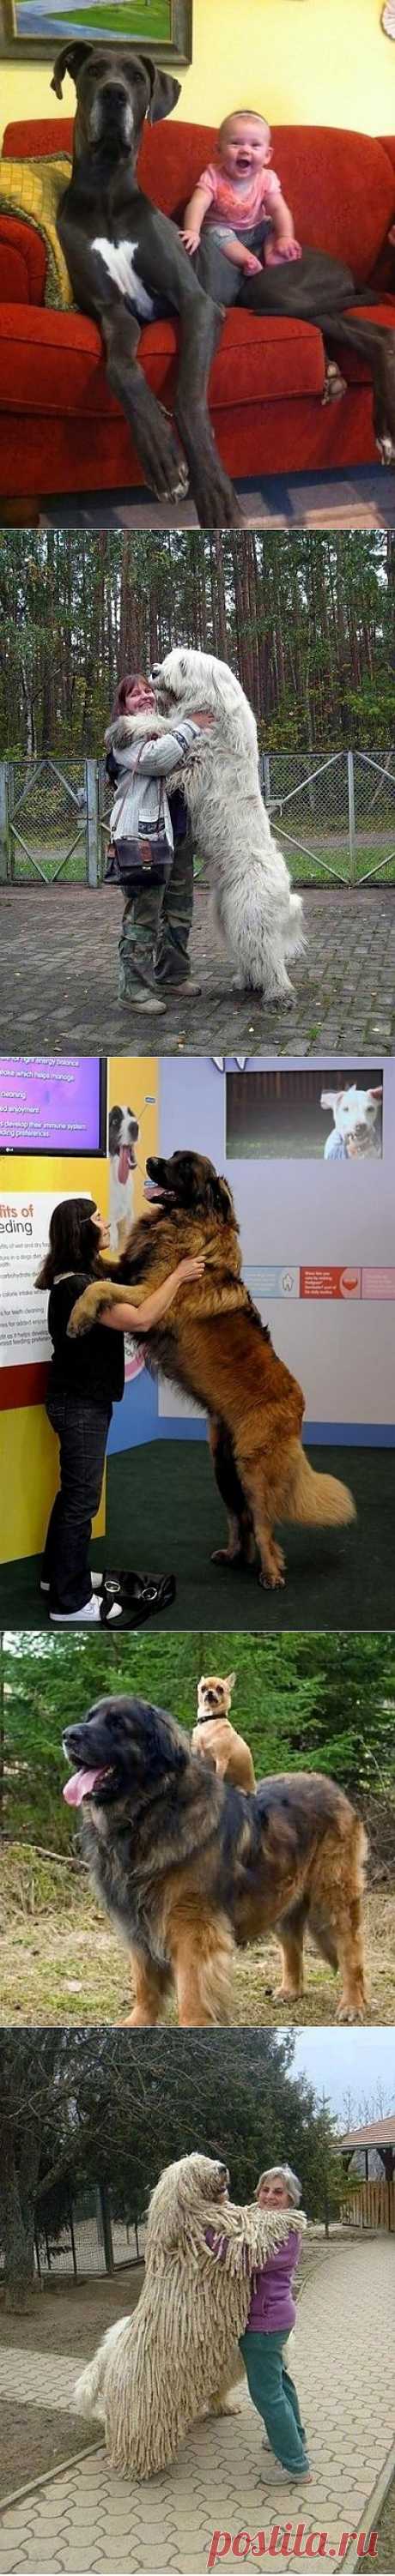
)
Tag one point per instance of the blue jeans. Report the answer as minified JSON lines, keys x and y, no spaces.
{"x":82,"y":1429}
{"x":273,"y":2393}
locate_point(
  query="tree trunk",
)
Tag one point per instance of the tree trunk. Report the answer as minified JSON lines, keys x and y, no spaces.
{"x":18,"y":2223}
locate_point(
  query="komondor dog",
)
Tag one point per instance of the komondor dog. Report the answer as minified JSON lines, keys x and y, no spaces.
{"x":258,"y":915}
{"x":156,"y":2371}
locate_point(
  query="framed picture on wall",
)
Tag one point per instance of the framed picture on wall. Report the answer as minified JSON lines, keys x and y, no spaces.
{"x":35,"y":28}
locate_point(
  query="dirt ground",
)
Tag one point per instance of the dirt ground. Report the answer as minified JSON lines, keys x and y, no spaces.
{"x":65,"y":1965}
{"x":384,"y":2557}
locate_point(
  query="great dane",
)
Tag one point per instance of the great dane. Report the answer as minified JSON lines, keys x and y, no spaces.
{"x":316,"y":289}
{"x":128,"y":265}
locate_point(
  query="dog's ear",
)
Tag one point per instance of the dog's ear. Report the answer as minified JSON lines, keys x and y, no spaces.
{"x":230,"y":1679}
{"x":329,"y":1099}
{"x":377,"y":1093}
{"x":222,"y":1197}
{"x":70,"y":59}
{"x":168,"y":1748}
{"x":164,"y":90}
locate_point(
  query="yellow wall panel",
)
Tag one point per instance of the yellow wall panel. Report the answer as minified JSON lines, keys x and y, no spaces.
{"x":301,"y":61}
{"x":29,"y":1455}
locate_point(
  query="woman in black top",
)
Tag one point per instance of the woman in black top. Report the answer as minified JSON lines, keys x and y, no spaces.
{"x":86,"y":1378}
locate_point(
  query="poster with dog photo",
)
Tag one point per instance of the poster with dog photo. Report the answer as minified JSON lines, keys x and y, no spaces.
{"x":333,"y":1114}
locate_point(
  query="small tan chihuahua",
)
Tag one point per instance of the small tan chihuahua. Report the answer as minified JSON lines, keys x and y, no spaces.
{"x":215,"y":1738}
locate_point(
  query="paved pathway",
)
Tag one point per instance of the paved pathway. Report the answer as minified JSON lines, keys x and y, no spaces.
{"x":87,"y":2518}
{"x":58,"y":976}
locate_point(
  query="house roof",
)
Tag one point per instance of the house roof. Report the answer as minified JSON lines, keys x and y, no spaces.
{"x":379,"y":2133}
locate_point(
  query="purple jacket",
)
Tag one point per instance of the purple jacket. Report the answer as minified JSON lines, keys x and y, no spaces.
{"x":272,"y":2308}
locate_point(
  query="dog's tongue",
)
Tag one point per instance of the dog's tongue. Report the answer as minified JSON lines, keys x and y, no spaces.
{"x":80,"y":1786}
{"x":124,"y":1163}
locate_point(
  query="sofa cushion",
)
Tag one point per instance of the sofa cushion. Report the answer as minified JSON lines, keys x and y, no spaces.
{"x":22,"y":262}
{"x":34,"y":189}
{"x":256,"y":361}
{"x":340,"y":185}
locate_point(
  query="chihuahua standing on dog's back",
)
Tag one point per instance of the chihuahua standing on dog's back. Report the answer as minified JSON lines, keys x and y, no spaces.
{"x":215,"y":1738}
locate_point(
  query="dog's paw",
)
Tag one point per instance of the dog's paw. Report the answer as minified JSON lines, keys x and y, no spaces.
{"x":226,"y":1555}
{"x":347,"y":2012}
{"x":279,"y":1001}
{"x":272,"y":1576}
{"x":386,"y":448}
{"x":79,"y":1321}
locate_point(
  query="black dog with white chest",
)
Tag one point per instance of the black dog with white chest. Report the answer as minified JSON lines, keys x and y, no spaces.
{"x":127,"y":264}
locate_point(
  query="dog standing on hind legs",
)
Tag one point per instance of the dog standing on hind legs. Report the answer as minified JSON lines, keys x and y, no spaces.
{"x":177,"y":2357}
{"x":214,"y":1346}
{"x":258,"y":915}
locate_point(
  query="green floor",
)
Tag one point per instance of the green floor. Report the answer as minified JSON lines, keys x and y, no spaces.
{"x":163,"y":1513}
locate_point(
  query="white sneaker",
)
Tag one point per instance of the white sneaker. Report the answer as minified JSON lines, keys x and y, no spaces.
{"x":75,"y":1618}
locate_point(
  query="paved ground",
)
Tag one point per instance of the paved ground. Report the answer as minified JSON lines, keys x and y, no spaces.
{"x":86,"y":2517}
{"x":58,"y":977}
{"x":364,"y":498}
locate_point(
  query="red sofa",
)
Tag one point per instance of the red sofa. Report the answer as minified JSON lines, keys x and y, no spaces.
{"x":61,"y":429}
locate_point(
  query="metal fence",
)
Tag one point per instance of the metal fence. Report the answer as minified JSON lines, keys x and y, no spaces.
{"x":54,"y":821}
{"x":91,"y":2241}
{"x":334,"y":816}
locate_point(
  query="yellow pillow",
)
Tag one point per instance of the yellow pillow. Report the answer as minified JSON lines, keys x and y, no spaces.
{"x":32,"y":191}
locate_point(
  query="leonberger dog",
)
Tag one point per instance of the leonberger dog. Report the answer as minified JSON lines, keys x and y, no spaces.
{"x":189,"y":1869}
{"x":214,"y":1346}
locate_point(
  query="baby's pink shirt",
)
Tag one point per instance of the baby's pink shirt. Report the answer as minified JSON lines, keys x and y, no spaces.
{"x":244,"y":210}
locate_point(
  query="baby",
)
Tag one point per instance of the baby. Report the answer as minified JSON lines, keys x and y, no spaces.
{"x":239,"y":199}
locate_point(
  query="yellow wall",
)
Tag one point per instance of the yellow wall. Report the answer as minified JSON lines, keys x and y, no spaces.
{"x":311,"y":61}
{"x":29,"y":1452}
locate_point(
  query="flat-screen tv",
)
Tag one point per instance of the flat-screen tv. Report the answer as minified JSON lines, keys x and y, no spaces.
{"x":52,"y":1104}
{"x":335,"y":1114}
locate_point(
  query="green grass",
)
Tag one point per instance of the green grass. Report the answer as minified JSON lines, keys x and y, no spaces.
{"x":122,"y":19}
{"x":61,"y":1962}
{"x":304,"y":871}
{"x":333,"y":856}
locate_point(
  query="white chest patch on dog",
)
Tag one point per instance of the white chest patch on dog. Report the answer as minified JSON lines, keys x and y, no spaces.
{"x":119,"y":259}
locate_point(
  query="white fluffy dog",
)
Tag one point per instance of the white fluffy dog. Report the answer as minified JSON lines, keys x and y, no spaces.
{"x":156,"y":2371}
{"x":259,"y":917}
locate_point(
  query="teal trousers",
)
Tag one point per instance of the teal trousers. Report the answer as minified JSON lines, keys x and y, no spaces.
{"x":273,"y":2393}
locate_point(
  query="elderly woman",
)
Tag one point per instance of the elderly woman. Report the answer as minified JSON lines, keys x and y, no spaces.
{"x":271,"y":2317}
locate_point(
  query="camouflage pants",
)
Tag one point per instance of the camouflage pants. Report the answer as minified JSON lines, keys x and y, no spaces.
{"x":153,"y":947}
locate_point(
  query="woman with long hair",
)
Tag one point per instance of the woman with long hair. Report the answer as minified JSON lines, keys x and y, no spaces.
{"x":157,"y":920}
{"x":86,"y":1378}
